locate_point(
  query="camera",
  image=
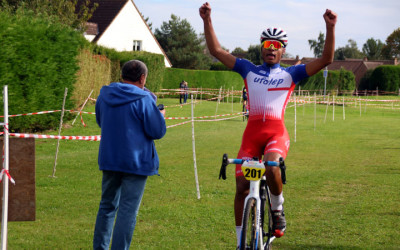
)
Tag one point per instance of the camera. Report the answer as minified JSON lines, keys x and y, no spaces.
{"x":160,"y":106}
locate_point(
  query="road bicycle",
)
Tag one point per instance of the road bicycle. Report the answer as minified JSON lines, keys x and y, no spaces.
{"x":256,"y":230}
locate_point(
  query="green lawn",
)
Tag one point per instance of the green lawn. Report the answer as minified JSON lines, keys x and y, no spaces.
{"x":342,"y":192}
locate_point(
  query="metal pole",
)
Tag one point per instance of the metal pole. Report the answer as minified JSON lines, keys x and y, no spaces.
{"x":325,"y":76}
{"x":194,"y":155}
{"x":4,"y":218}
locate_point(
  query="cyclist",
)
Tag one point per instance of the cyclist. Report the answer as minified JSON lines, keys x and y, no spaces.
{"x":268,"y":87}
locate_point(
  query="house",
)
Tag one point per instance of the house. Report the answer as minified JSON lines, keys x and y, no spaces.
{"x":118,"y":24}
{"x":358,"y":66}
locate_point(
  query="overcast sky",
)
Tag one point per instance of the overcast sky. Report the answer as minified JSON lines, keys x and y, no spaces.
{"x":238,"y":23}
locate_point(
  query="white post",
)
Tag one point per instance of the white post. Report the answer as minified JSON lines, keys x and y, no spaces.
{"x":295,"y":116}
{"x":326,"y":110}
{"x":194,"y":155}
{"x":333,"y":110}
{"x":59,"y":132}
{"x":232,"y":99}
{"x":359,"y":98}
{"x":4,"y":218}
{"x":82,"y":107}
{"x":344,"y":114}
{"x":315,"y":110}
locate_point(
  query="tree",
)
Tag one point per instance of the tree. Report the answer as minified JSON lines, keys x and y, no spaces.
{"x":73,"y":13}
{"x":392,"y":48}
{"x":317,"y":46}
{"x":181,"y":44}
{"x":238,"y":50}
{"x":146,"y":19}
{"x":373,"y":49}
{"x":254,"y":54}
{"x":349,"y":51}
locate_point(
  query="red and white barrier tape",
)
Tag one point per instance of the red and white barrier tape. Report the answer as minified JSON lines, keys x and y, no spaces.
{"x":7,"y":173}
{"x":51,"y":111}
{"x":178,"y":124}
{"x":200,"y":117}
{"x":62,"y":137}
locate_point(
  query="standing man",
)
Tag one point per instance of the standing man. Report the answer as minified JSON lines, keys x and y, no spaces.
{"x":182,"y":92}
{"x":130,"y":122}
{"x":269,"y":87}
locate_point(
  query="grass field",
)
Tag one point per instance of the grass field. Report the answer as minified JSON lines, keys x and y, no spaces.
{"x":342,"y":190}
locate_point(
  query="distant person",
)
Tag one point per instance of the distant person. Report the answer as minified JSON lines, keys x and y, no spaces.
{"x":182,"y":92}
{"x":269,"y":87}
{"x":244,"y":96}
{"x":186,"y":88}
{"x":130,"y":122}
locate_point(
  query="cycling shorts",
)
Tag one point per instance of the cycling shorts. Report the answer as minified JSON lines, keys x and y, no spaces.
{"x":262,"y":137}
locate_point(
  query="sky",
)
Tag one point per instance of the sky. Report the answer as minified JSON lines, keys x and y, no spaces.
{"x":239,"y":23}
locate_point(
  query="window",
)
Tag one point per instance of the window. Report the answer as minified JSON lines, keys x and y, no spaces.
{"x":137,"y":45}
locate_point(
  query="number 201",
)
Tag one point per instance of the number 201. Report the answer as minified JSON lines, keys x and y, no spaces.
{"x":253,"y":173}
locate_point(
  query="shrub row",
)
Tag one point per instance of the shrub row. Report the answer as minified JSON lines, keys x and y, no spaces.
{"x":38,"y":61}
{"x":202,"y":79}
{"x":154,"y":62}
{"x":337,"y":80}
{"x":386,"y":78}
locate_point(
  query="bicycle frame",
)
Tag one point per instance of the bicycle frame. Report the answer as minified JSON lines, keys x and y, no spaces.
{"x":254,"y":172}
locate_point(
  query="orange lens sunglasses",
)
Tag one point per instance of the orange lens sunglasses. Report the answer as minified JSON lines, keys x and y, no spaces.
{"x":275,"y":45}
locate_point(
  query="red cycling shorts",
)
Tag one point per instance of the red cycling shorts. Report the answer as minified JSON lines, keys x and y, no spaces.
{"x":262,"y":137}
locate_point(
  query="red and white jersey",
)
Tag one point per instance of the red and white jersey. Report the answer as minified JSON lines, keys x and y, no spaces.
{"x":269,"y":87}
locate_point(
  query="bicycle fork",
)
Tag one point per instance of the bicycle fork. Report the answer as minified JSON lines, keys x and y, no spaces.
{"x":254,"y":193}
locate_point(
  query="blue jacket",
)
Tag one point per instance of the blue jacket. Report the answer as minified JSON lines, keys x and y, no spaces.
{"x":129,"y":120}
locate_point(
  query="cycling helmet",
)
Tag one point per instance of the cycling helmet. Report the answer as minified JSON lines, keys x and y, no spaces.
{"x":274,"y":34}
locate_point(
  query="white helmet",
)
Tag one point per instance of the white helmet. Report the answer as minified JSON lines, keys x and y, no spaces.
{"x":275,"y":34}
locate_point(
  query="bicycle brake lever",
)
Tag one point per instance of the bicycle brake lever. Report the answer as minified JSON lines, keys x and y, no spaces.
{"x":283,"y":170}
{"x":222,"y":171}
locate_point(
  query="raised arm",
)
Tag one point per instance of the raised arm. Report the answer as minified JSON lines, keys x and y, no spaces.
{"x":315,"y":66}
{"x":212,"y":42}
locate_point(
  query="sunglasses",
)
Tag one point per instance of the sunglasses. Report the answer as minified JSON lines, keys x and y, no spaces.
{"x":275,"y":45}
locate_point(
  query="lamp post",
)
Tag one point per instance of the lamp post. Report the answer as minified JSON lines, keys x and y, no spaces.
{"x":325,"y":76}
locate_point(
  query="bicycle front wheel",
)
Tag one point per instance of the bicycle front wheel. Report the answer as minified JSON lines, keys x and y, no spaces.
{"x":248,"y":239}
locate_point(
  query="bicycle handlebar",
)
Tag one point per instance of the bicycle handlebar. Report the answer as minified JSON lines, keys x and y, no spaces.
{"x":226,"y":161}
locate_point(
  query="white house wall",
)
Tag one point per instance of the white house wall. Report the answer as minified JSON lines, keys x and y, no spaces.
{"x":127,"y":27}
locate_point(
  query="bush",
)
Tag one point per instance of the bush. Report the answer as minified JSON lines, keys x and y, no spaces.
{"x":202,"y":79}
{"x":155,"y":64}
{"x":386,"y":78}
{"x":340,"y":80}
{"x":38,"y":61}
{"x":364,"y":81}
{"x":219,"y":66}
{"x":94,"y":72}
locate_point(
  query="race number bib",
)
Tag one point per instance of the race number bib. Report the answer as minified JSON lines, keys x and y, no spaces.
{"x":253,"y":170}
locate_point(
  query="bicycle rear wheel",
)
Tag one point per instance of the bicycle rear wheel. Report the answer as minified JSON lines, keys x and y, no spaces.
{"x":248,"y":239}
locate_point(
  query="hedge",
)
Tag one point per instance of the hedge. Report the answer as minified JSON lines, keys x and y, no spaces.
{"x":38,"y":61}
{"x":337,"y":80}
{"x":386,"y":78}
{"x":202,"y":79}
{"x":154,"y":62}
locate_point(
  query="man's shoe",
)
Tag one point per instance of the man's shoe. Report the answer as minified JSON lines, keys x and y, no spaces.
{"x":278,"y":223}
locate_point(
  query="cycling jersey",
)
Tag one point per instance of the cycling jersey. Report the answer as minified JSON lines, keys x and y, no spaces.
{"x":268,"y":92}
